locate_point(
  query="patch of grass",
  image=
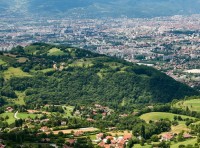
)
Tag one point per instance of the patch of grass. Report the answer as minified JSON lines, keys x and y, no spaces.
{"x":47,"y":70}
{"x":192,"y":105}
{"x":11,"y":117}
{"x":81,"y":63}
{"x":139,"y":146}
{"x":180,"y":127}
{"x":14,"y":72}
{"x":68,"y":110}
{"x":190,"y":141}
{"x":55,"y":52}
{"x":161,"y":115}
{"x":2,"y":62}
{"x":21,"y":96}
{"x":26,"y":115}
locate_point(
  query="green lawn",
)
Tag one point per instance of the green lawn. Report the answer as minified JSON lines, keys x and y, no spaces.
{"x":190,"y":141}
{"x":26,"y":115}
{"x":161,"y":115}
{"x":14,"y":72}
{"x":55,"y":52}
{"x":193,"y":105}
{"x":11,"y":117}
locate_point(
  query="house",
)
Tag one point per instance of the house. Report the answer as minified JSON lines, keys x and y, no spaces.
{"x":99,"y":136}
{"x":63,"y":123}
{"x":78,"y":133}
{"x":9,"y":109}
{"x":44,"y":129}
{"x":2,"y":146}
{"x":167,"y":137}
{"x":186,"y":136}
{"x":71,"y":141}
{"x":127,"y":137}
{"x":121,"y":143}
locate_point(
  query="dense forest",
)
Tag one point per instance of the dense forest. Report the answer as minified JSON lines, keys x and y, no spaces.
{"x":49,"y":74}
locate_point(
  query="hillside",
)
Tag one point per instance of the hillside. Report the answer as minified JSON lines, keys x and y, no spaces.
{"x":42,"y":73}
{"x":101,"y":8}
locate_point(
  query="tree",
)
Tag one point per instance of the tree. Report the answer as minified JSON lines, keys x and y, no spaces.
{"x":142,"y":132}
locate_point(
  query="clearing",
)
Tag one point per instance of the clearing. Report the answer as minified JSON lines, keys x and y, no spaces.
{"x":55,"y":52}
{"x":14,"y":72}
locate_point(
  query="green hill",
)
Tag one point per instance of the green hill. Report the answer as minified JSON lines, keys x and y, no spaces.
{"x":59,"y":74}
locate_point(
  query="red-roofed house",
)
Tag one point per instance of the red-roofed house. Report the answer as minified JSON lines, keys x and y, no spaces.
{"x":186,"y":135}
{"x":100,"y":136}
{"x":167,"y":137}
{"x":127,"y":136}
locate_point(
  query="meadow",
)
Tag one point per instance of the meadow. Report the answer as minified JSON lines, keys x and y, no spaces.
{"x":192,"y":105}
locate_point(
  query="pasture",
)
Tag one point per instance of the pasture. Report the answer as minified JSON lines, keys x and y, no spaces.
{"x":192,"y":105}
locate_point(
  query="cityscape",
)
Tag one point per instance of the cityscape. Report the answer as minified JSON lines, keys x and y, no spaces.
{"x":170,"y":44}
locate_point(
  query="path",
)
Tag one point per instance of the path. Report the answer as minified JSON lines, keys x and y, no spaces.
{"x":15,"y":116}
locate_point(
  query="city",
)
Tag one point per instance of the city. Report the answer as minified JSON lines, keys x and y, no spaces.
{"x":170,"y":44}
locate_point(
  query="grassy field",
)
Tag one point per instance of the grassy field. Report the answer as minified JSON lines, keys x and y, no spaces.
{"x":20,"y":100}
{"x":193,"y":105}
{"x":190,"y":141}
{"x":14,"y":72}
{"x":55,"y":52}
{"x":26,"y":115}
{"x":47,"y":70}
{"x":89,"y":129}
{"x":11,"y":117}
{"x":160,"y":115}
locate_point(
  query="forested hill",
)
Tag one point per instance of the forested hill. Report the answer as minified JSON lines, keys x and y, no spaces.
{"x":42,"y":73}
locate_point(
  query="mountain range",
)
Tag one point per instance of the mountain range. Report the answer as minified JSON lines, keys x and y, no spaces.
{"x":100,"y":8}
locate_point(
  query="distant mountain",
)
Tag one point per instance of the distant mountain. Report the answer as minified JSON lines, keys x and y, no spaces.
{"x":54,"y":74}
{"x":101,"y":8}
